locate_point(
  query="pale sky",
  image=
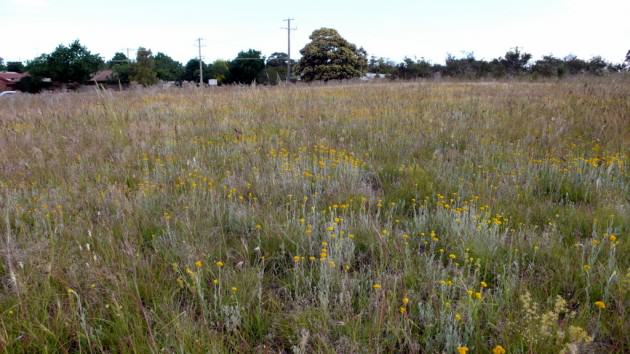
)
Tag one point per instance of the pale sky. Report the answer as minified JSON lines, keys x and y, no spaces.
{"x":393,"y":28}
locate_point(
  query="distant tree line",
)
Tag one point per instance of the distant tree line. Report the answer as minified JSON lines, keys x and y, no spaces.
{"x":328,"y":56}
{"x":515,"y":63}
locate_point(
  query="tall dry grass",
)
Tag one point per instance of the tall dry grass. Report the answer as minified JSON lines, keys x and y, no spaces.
{"x":424,"y":217}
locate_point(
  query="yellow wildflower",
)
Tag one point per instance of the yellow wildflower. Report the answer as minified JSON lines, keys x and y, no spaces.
{"x":199,"y":264}
{"x":484,"y":284}
{"x":405,"y":300}
{"x":220,"y":264}
{"x":402,"y":309}
{"x":462,"y":349}
{"x":600,"y":304}
{"x":376,"y":286}
{"x":612,"y":237}
{"x":234,"y":290}
{"x":498,"y":350}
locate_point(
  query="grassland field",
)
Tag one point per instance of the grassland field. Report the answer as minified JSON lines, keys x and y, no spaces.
{"x":430,"y":217}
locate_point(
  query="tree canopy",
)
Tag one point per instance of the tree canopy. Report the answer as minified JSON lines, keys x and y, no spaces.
{"x":550,"y":66}
{"x":73,"y":63}
{"x":515,"y":61}
{"x":246,"y":67}
{"x":191,"y":71}
{"x":220,"y":70}
{"x":15,"y":66}
{"x":328,"y":56}
{"x":166,"y":68}
{"x":143,"y":70}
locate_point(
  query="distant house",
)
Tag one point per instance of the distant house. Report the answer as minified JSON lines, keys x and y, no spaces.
{"x":8,"y":79}
{"x":102,"y":77}
{"x":373,"y":76}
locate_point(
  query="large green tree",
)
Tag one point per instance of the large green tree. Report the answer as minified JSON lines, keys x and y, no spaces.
{"x":143,"y":70}
{"x":276,"y":68}
{"x":328,"y":56}
{"x":15,"y":66}
{"x":550,"y":66}
{"x":246,"y":67}
{"x":596,"y":66}
{"x":73,"y":63}
{"x":220,"y":70}
{"x":515,"y":61}
{"x":191,"y":71}
{"x":2,"y":66}
{"x":389,"y":67}
{"x":121,"y":66}
{"x":167,"y":69}
{"x":408,"y":69}
{"x":575,"y":65}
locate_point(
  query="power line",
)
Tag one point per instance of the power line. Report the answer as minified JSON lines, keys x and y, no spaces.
{"x":288,"y":28}
{"x":128,"y":49}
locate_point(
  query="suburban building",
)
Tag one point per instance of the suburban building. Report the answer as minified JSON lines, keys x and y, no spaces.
{"x":102,"y":77}
{"x":8,"y":79}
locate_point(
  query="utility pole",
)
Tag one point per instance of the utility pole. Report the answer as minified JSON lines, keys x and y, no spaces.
{"x":200,"y":62}
{"x":288,"y":28}
{"x":128,"y":49}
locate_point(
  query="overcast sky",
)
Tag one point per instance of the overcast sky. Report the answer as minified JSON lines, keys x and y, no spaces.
{"x":393,"y":28}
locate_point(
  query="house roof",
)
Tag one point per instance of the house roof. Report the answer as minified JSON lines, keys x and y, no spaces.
{"x":102,"y":75}
{"x":9,"y":76}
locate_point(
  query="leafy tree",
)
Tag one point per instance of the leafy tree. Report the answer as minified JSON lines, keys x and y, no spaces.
{"x":626,"y":63}
{"x":118,"y":59}
{"x":330,"y":57}
{"x":143,"y":70}
{"x":219,"y":70}
{"x":246,"y":67}
{"x":515,"y":61}
{"x":279,"y":59}
{"x":615,"y":68}
{"x":575,"y":65}
{"x":550,"y":66}
{"x":191,"y":71}
{"x":31,"y":84}
{"x":73,"y":63}
{"x":596,"y":66}
{"x":2,"y":66}
{"x":38,"y":67}
{"x":410,"y":69}
{"x":121,"y":66}
{"x":496,"y":68}
{"x":386,"y":66}
{"x":15,"y":66}
{"x":167,"y":69}
{"x":467,"y":67}
{"x":276,"y":68}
